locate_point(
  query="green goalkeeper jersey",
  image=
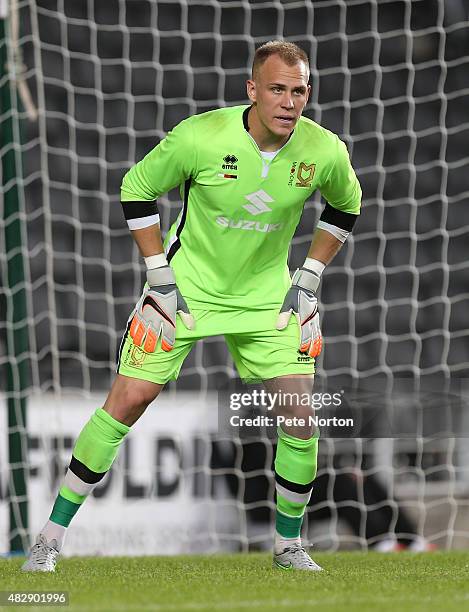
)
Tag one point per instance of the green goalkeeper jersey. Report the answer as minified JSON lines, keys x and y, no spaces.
{"x":229,"y":245}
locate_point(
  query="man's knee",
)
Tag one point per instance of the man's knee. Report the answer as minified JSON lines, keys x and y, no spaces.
{"x":129,"y":398}
{"x":294,"y":395}
{"x":140,"y":393}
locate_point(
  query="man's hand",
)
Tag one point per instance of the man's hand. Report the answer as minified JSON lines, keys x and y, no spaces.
{"x":301,"y":300}
{"x":155,"y":313}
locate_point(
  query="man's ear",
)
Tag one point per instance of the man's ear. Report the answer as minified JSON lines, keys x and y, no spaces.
{"x":251,"y":89}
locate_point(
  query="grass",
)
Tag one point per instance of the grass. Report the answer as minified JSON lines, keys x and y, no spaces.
{"x":351,"y":581}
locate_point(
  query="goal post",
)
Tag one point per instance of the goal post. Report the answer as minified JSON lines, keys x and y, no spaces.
{"x":14,"y":298}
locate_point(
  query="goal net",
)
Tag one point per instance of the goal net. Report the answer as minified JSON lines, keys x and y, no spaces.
{"x":87,"y":89}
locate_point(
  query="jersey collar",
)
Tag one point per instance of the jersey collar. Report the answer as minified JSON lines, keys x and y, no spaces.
{"x":245,"y":118}
{"x":246,"y":125}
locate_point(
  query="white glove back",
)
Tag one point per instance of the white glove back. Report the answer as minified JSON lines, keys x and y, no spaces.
{"x":301,"y":301}
{"x":155,"y":312}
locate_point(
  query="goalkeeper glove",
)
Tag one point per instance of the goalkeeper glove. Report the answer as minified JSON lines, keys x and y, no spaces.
{"x":155,"y":313}
{"x":301,"y":300}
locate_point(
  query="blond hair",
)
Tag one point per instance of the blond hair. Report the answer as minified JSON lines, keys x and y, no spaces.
{"x":290,"y":53}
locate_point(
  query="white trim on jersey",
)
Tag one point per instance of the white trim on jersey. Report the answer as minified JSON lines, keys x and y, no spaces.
{"x":338,"y":232}
{"x":175,"y":237}
{"x":141,"y":222}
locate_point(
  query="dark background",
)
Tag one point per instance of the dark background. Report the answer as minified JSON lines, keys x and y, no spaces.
{"x":110,"y":78}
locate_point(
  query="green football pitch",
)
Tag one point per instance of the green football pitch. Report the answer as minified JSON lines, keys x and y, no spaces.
{"x":350,"y":582}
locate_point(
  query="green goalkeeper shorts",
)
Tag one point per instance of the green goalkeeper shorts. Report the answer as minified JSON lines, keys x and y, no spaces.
{"x":260,"y":351}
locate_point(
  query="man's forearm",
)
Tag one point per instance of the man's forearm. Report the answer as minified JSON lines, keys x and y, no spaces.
{"x":154,"y":316}
{"x":324,"y":246}
{"x":301,"y":298}
{"x":148,"y":240}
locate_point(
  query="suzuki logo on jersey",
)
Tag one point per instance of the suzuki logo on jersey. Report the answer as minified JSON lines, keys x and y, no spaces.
{"x":244,"y":224}
{"x":258,"y":201}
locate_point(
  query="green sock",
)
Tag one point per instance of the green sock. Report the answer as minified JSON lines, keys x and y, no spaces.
{"x":64,"y":510}
{"x":295,"y":471}
{"x":95,"y":450}
{"x":99,"y":441}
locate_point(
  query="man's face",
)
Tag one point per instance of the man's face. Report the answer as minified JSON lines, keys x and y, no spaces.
{"x":280,"y":93}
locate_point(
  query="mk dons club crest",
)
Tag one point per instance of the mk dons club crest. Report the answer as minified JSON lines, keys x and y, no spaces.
{"x":136,"y":357}
{"x":302,"y":173}
{"x":305,"y":175}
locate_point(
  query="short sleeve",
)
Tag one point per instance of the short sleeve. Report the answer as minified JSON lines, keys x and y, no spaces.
{"x":166,"y":166}
{"x":341,"y":188}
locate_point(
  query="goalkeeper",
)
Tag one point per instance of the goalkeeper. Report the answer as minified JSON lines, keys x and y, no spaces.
{"x":244,"y":173}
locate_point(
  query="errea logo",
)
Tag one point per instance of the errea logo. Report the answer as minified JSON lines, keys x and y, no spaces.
{"x":258,"y":201}
{"x":230,"y":162}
